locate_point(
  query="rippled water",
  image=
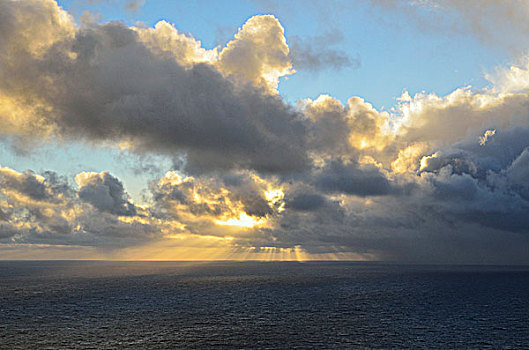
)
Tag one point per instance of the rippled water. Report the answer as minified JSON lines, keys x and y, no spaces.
{"x":168,"y":305}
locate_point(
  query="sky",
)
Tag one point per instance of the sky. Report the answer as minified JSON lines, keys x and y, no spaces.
{"x":265,"y":130}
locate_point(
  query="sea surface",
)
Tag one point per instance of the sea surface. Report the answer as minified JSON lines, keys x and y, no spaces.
{"x":276,"y":305}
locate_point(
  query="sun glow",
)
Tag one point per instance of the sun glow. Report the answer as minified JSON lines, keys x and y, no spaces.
{"x":244,"y":220}
{"x":275,"y":197}
{"x":425,"y":160}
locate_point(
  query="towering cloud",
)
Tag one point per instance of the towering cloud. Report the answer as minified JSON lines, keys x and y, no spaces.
{"x":259,"y":53}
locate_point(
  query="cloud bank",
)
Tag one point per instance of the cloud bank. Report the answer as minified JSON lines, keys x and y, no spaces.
{"x":440,"y":179}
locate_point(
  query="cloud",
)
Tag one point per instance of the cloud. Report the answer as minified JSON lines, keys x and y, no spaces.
{"x":432,"y":192}
{"x":211,"y":206}
{"x":105,"y":192}
{"x":258,"y":54}
{"x":486,"y":136}
{"x":46,"y":209}
{"x":500,"y":23}
{"x":337,"y":130}
{"x":150,"y":90}
{"x":164,"y":39}
{"x":316,"y":53}
{"x":134,"y":5}
{"x":437,"y":179}
{"x":129,"y":5}
{"x":306,"y":201}
{"x":352,"y":178}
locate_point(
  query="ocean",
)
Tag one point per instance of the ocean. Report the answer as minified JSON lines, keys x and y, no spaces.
{"x":262,"y":305}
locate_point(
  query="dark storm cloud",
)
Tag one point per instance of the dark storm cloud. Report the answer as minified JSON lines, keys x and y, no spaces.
{"x":306,"y":201}
{"x":468,"y":204}
{"x":480,"y":189}
{"x":163,"y":107}
{"x":352,"y":178}
{"x":451,"y":220}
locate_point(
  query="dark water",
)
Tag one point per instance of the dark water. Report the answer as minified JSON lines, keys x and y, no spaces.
{"x":170,"y":305}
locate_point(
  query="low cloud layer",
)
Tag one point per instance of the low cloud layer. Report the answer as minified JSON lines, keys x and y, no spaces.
{"x":439,"y":179}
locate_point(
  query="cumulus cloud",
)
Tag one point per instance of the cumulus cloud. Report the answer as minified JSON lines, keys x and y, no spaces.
{"x":46,"y":209}
{"x":437,"y":179}
{"x":258,"y":54}
{"x":338,"y":130}
{"x":149,"y":89}
{"x":105,"y":192}
{"x":435,"y":182}
{"x":164,"y":39}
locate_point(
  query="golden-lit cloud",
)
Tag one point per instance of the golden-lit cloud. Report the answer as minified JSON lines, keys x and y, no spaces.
{"x":409,"y":158}
{"x":30,"y":31}
{"x":343,"y":130}
{"x":165,"y":39}
{"x":369,"y":127}
{"x":258,"y":54}
{"x":206,"y":206}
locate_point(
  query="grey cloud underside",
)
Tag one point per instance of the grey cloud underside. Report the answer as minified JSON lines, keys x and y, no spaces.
{"x":485,"y":184}
{"x":452,"y":214}
{"x":469,"y":205}
{"x":306,"y":201}
{"x":337,"y":177}
{"x":117,"y":89}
